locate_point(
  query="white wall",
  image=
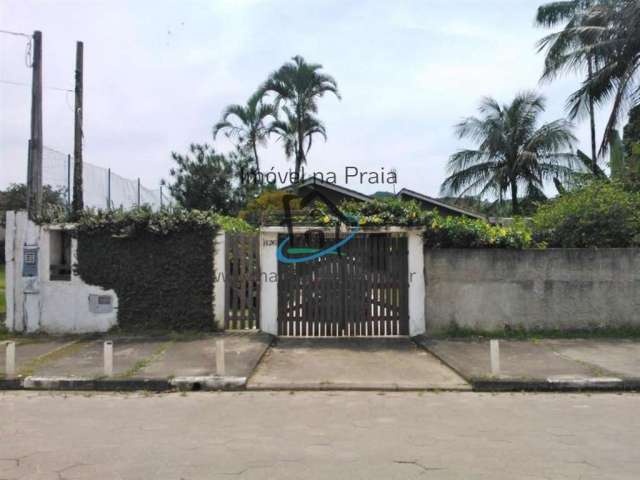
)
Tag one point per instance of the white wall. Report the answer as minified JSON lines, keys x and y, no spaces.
{"x":40,"y":304}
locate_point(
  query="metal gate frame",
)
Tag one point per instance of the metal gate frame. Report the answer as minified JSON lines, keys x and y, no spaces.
{"x":242,"y":281}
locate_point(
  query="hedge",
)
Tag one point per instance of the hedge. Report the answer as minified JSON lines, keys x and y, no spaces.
{"x":159,"y":264}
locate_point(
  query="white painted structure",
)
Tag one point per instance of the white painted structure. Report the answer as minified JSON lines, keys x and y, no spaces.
{"x":39,"y":303}
{"x":269,"y":271}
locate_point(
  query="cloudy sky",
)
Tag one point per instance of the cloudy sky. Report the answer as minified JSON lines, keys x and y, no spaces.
{"x":158,"y":74}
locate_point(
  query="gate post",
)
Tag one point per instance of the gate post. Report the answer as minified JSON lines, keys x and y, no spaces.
{"x":417,"y":324}
{"x":219,"y":279}
{"x":268,"y":282}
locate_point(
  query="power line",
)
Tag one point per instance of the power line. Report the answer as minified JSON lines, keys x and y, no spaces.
{"x":21,"y":84}
{"x":18,"y":34}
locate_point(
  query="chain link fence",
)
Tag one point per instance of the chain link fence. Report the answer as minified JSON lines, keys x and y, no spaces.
{"x":102,"y":188}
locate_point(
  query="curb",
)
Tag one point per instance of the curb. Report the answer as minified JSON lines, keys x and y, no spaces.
{"x":102,"y":385}
{"x":350,"y":387}
{"x":585,"y":385}
{"x":208,"y":383}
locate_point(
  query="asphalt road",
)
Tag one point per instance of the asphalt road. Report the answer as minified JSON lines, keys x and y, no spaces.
{"x":455,"y":435}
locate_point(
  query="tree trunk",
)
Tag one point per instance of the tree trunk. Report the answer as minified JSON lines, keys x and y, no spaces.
{"x":515,"y":207}
{"x":255,"y":154}
{"x":592,"y":121}
{"x":300,"y":152}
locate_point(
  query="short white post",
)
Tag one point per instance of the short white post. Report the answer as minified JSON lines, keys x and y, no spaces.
{"x":494,"y":346}
{"x":10,"y":360}
{"x":220,"y":357}
{"x":108,"y":358}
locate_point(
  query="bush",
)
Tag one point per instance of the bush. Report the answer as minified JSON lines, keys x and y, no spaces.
{"x":268,"y":208}
{"x":462,"y":232}
{"x":160,"y":265}
{"x":600,"y":214}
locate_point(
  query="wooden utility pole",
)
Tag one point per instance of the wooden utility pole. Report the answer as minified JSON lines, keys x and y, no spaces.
{"x":34,"y":167}
{"x":78,"y":204}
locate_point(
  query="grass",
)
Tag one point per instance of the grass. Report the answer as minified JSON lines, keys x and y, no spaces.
{"x":520,"y":333}
{"x":64,"y":351}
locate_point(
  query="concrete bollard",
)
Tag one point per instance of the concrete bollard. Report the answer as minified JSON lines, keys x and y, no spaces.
{"x":220,"y":367}
{"x":10,"y":359}
{"x":494,"y":346}
{"x":108,"y":358}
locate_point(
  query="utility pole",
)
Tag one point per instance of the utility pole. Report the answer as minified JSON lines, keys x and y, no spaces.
{"x":34,"y":167}
{"x":78,"y":204}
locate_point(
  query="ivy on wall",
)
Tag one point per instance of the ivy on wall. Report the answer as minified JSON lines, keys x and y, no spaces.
{"x":159,"y":264}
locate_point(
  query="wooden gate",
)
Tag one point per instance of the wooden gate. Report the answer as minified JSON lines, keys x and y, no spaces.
{"x":242,"y":281}
{"x":361,"y":290}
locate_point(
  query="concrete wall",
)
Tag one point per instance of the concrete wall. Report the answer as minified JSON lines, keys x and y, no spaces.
{"x":554,"y":288}
{"x":39,"y":304}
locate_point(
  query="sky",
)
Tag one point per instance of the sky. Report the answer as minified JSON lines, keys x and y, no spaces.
{"x":159,"y":73}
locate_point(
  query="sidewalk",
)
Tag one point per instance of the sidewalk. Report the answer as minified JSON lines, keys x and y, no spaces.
{"x":545,"y":364}
{"x":138,"y":363}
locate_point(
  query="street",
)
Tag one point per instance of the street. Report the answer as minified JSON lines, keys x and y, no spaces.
{"x":449,"y":435}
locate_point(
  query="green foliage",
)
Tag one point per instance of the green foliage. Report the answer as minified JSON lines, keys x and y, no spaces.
{"x":160,"y":265}
{"x":268,"y":207}
{"x":232,"y":224}
{"x":15,"y":198}
{"x":462,"y":232}
{"x":601,"y":214}
{"x":440,"y":232}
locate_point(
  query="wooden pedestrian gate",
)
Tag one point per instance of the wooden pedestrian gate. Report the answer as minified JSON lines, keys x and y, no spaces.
{"x":361,"y":290}
{"x":242,"y":281}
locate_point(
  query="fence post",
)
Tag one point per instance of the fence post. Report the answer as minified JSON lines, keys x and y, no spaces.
{"x":108,"y":358}
{"x":69,"y":181}
{"x":220,"y":367}
{"x":220,"y":280}
{"x":494,"y":346}
{"x":10,"y":359}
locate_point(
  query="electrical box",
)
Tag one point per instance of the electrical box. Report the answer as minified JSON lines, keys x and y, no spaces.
{"x":30,"y":261}
{"x":100,"y":303}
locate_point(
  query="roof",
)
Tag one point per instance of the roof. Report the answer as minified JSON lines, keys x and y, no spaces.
{"x":438,"y":203}
{"x":331,"y":186}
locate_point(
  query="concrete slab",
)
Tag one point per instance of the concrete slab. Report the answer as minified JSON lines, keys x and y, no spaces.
{"x":521,"y":360}
{"x":86,"y":361}
{"x":342,"y":363}
{"x":621,"y":357}
{"x":27,"y":351}
{"x":197,"y":358}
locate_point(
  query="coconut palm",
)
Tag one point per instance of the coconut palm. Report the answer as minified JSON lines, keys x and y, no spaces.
{"x":298,"y":85}
{"x":247,"y":124}
{"x":573,"y":14}
{"x":513,"y":151}
{"x":287,"y":131}
{"x":610,"y":34}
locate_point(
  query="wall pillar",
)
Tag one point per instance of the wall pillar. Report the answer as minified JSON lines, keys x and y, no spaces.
{"x":219,"y":280}
{"x":417,"y":287}
{"x":268,"y":282}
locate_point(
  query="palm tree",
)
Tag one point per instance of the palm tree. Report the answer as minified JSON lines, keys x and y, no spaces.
{"x":610,"y":34}
{"x":574,"y":14}
{"x":298,"y":85}
{"x":287,"y":131}
{"x":512,"y":150}
{"x":249,"y":127}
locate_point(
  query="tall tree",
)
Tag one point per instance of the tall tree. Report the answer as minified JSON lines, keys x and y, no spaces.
{"x":286,"y":130}
{"x":202,"y":179}
{"x":246,"y":123}
{"x":573,"y":14}
{"x":513,"y":151}
{"x":610,"y":34}
{"x":298,"y":85}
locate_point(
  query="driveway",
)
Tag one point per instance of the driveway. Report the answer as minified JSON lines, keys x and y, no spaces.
{"x":353,"y":363}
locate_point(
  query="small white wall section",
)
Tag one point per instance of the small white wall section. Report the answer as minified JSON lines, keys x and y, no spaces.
{"x":268,"y":283}
{"x":219,"y":280}
{"x":415,"y":243}
{"x":39,"y":304}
